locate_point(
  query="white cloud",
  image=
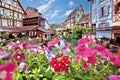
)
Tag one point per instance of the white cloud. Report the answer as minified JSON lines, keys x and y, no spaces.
{"x":45,"y":6}
{"x":71,"y":3}
{"x":55,"y":13}
{"x":68,"y":12}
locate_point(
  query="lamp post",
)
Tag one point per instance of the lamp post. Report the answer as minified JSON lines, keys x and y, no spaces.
{"x":90,"y":17}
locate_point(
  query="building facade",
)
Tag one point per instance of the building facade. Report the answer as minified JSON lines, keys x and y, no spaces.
{"x":116,"y":21}
{"x":85,"y":21}
{"x":102,"y":17}
{"x":35,"y":24}
{"x":74,"y":17}
{"x":11,"y":14}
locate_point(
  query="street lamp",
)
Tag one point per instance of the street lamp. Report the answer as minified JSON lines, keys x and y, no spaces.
{"x":90,"y":17}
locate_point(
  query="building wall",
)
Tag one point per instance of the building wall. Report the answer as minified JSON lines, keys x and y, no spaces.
{"x":11,"y":13}
{"x":102,"y":16}
{"x":74,"y":17}
{"x":116,"y":12}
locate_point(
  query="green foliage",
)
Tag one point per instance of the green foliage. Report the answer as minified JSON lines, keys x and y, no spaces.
{"x":53,"y":26}
{"x":10,"y":40}
{"x":77,"y":32}
{"x":5,"y":35}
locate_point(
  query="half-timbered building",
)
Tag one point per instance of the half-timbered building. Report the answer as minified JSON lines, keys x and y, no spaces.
{"x":116,"y":21}
{"x":74,"y":17}
{"x":35,"y":24}
{"x":11,"y":14}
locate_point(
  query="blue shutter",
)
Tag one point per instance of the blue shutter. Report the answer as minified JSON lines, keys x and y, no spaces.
{"x":99,"y":13}
{"x":107,"y":7}
{"x":98,"y":25}
{"x":107,"y":24}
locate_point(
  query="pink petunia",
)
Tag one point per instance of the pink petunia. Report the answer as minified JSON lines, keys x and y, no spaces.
{"x":92,"y":60}
{"x":18,"y":57}
{"x":115,"y":60}
{"x":66,"y":47}
{"x":53,"y":42}
{"x":114,"y":77}
{"x":4,"y":54}
{"x":10,"y":45}
{"x":85,"y":66}
{"x":6,"y":70}
{"x":84,"y":41}
{"x":45,"y":48}
{"x":84,"y":52}
{"x":103,"y":51}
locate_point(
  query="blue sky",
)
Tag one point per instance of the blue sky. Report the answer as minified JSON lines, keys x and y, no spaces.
{"x":55,"y":11}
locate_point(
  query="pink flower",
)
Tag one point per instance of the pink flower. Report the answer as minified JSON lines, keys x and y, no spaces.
{"x":77,"y":58}
{"x":103,"y":51}
{"x":53,"y":42}
{"x":92,"y":60}
{"x":84,"y":52}
{"x":20,"y":45}
{"x":115,"y":60}
{"x":114,"y":77}
{"x":86,"y":67}
{"x":66,"y":47}
{"x":84,"y":41}
{"x":45,"y":48}
{"x":10,"y":45}
{"x":6,"y":70}
{"x":4,"y":54}
{"x":19,"y":57}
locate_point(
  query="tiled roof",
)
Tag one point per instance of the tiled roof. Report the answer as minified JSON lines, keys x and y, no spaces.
{"x":32,"y":12}
{"x":45,"y":30}
{"x":73,"y":13}
{"x":26,"y":28}
{"x":21,"y":29}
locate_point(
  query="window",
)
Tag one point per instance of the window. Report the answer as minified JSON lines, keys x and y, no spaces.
{"x":18,"y":24}
{"x":101,"y":0}
{"x":4,"y":12}
{"x":117,"y":7}
{"x":102,"y":11}
{"x":4,"y":23}
{"x":18,"y":15}
{"x":93,"y":1}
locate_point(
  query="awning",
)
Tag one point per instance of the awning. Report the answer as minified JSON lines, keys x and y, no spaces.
{"x":116,"y":24}
{"x":19,"y":29}
{"x":116,"y":27}
{"x":45,"y":30}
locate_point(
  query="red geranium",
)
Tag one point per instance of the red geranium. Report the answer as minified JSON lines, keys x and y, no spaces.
{"x":60,"y":63}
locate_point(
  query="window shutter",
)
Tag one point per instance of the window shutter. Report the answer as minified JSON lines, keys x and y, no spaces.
{"x":98,"y":25}
{"x":107,"y":24}
{"x":99,"y":12}
{"x":107,"y":10}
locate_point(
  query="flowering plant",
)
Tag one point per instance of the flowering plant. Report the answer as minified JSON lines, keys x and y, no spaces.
{"x":55,"y":61}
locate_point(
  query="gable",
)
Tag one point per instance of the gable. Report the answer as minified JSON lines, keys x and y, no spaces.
{"x":32,"y":12}
{"x":21,"y":10}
